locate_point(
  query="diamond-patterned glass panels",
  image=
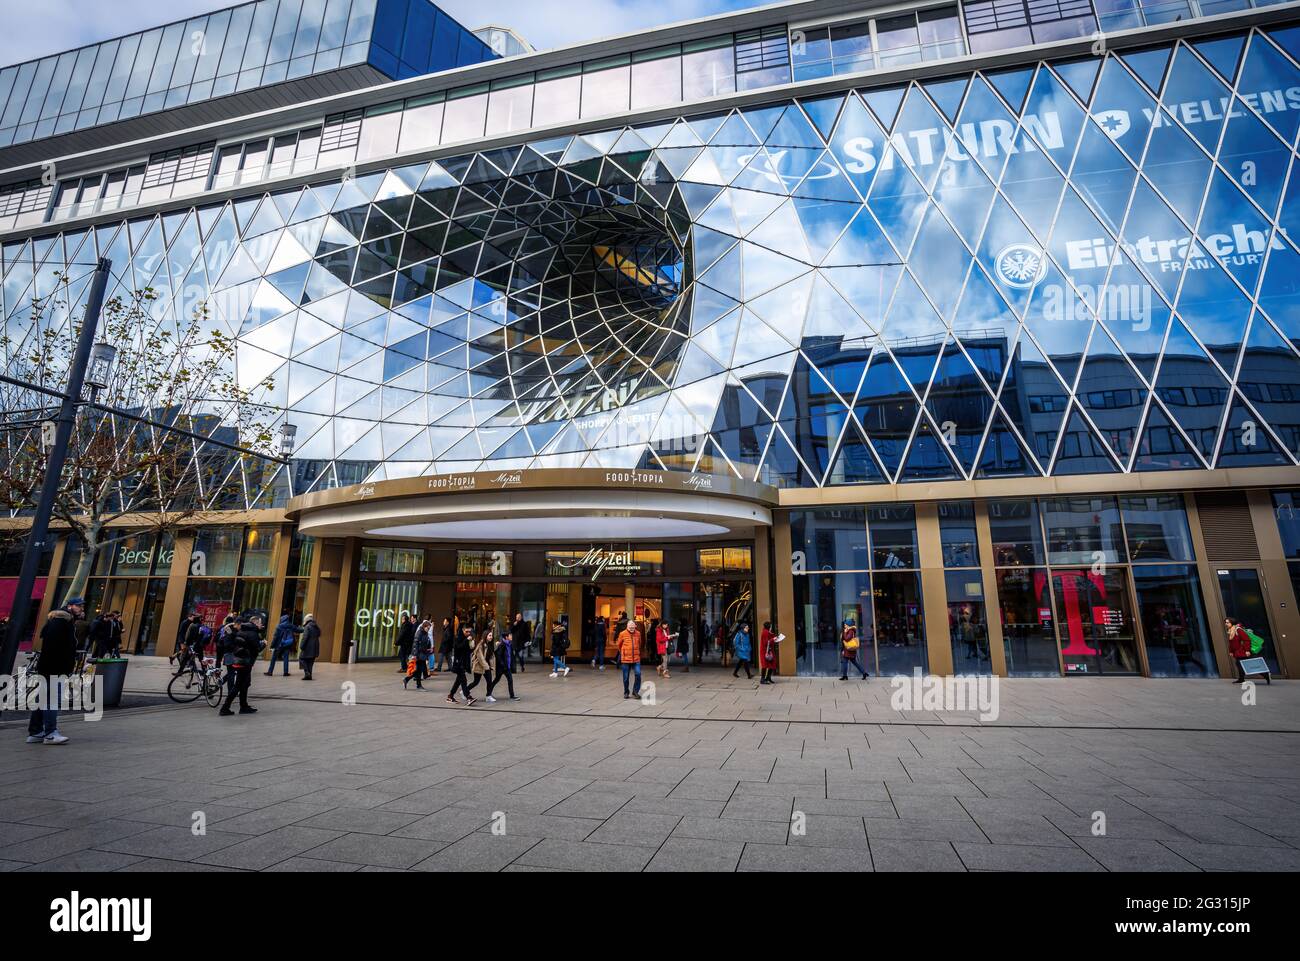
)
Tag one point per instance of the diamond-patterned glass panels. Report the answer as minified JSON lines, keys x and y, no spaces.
{"x":1063,"y":268}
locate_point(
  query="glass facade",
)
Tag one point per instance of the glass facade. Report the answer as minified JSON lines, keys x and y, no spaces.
{"x":229,"y":51}
{"x":1043,"y":270}
{"x":1076,"y":574}
{"x":857,"y":566}
{"x":1057,"y":269}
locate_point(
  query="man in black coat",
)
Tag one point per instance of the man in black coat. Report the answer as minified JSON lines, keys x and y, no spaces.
{"x":521,"y":638}
{"x":309,"y":649}
{"x":243,"y":647}
{"x":58,"y":659}
{"x":405,"y":640}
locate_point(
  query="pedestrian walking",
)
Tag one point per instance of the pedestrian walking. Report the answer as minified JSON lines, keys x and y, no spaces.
{"x":244,"y":646}
{"x":599,"y":636}
{"x":629,"y":657}
{"x":460,"y":660}
{"x":482,"y":660}
{"x":684,"y":644}
{"x":505,"y":660}
{"x":1239,"y":646}
{"x":405,"y":641}
{"x":58,"y":659}
{"x":663,"y":647}
{"x":559,"y":646}
{"x":521,"y":638}
{"x":282,"y":643}
{"x":447,"y":642}
{"x":767,"y":642}
{"x":420,"y":653}
{"x":101,"y":634}
{"x":740,"y":645}
{"x":309,"y":650}
{"x":849,"y":645}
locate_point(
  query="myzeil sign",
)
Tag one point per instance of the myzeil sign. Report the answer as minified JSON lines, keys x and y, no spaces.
{"x":603,"y":560}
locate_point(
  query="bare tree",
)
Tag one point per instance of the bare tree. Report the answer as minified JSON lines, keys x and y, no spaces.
{"x":123,"y":475}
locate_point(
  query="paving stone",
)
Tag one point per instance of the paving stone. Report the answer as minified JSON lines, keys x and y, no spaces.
{"x":759,"y":808}
{"x":828,"y":830}
{"x":732,"y":829}
{"x":259,"y":853}
{"x":627,"y":827}
{"x":1127,"y":854}
{"x":587,"y":856}
{"x":450,"y":824}
{"x":359,"y":820}
{"x":774,"y":857}
{"x":1024,"y":857}
{"x":695,"y":854}
{"x":391,"y":852}
{"x":1236,"y":857}
{"x":923,"y":829}
{"x":478,"y":852}
{"x":171,"y":843}
{"x":888,"y":854}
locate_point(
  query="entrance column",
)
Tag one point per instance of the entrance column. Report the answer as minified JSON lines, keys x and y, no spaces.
{"x":934,"y":589}
{"x":992,"y":603}
{"x":178,"y":576}
{"x":629,"y":600}
{"x":786,"y":618}
{"x":1209,"y":588}
{"x":1277,"y":578}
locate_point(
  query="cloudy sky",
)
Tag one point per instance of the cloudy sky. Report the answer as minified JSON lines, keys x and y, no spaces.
{"x":56,"y":25}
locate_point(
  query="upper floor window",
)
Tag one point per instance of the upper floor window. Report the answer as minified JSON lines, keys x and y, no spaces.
{"x":876,"y":44}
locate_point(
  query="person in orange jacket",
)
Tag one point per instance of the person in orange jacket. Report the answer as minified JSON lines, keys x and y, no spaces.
{"x":629,"y":656}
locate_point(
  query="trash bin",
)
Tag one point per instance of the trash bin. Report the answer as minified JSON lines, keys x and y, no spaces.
{"x":113,"y":671}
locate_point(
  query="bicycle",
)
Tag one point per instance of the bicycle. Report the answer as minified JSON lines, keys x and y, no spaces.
{"x":203,"y":680}
{"x":29,"y":680}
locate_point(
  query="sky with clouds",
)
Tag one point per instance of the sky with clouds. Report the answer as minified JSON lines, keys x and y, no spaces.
{"x":52,"y":26}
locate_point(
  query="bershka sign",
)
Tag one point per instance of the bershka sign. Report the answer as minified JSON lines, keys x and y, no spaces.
{"x":78,"y":915}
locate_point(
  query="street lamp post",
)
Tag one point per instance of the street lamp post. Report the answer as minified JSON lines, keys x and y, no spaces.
{"x":63,"y":424}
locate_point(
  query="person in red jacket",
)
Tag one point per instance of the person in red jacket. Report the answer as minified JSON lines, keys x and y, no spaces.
{"x":1238,"y":645}
{"x":767,"y":652}
{"x":663,"y":644}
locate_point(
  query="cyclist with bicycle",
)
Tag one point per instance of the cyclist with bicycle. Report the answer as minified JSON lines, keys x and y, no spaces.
{"x":193,"y":642}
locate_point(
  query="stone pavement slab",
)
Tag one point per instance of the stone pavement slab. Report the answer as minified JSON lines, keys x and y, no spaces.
{"x":714,"y":777}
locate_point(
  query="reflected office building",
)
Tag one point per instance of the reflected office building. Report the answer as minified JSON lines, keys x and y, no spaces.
{"x":973,"y":325}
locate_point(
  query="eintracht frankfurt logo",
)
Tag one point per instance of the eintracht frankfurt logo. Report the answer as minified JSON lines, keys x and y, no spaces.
{"x":1114,"y":122}
{"x":1021,"y":265}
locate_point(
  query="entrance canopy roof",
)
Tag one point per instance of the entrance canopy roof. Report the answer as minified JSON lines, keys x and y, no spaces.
{"x":550,"y":506}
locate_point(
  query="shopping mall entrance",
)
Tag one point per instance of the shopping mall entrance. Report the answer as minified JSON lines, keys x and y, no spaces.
{"x":581,"y":548}
{"x":704,"y":614}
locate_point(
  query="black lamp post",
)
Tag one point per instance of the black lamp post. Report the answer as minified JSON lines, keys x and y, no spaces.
{"x":57,"y":454}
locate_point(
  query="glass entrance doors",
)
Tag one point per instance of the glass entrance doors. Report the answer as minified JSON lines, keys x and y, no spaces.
{"x":1243,"y":598}
{"x":721,"y":607}
{"x":1095,"y":622}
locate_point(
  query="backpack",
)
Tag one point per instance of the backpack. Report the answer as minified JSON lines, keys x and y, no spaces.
{"x":1256,"y":642}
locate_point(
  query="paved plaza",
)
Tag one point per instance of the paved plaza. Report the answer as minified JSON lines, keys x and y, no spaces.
{"x":717,"y":774}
